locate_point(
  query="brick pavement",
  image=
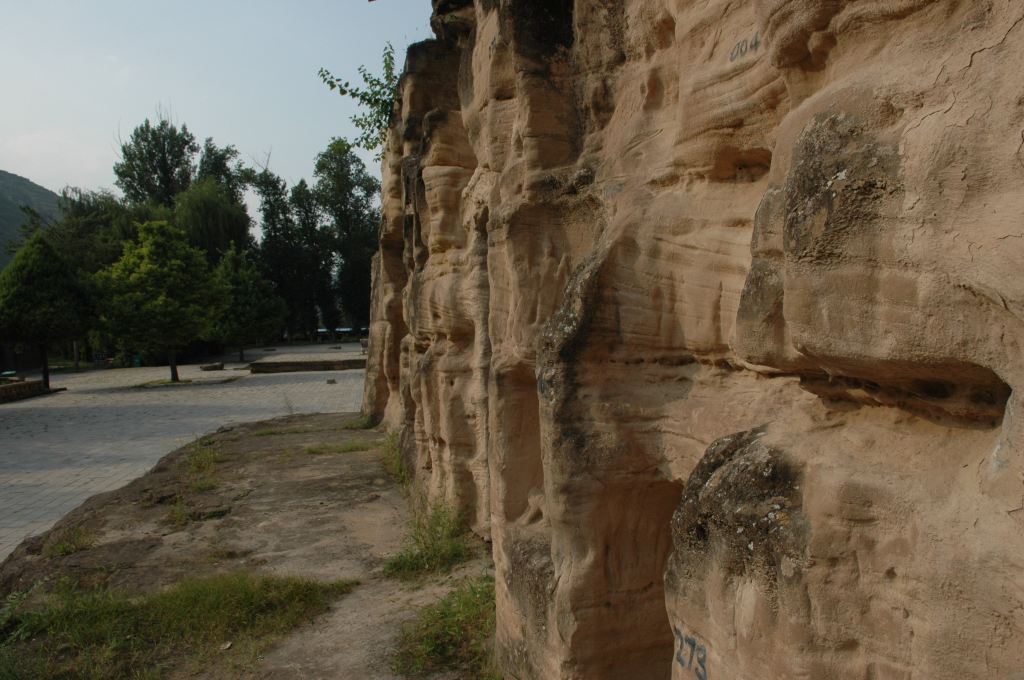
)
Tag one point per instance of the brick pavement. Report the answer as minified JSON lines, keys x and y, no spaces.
{"x":58,"y":450}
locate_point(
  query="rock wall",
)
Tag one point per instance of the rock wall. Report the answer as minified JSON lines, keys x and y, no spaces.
{"x":708,"y":315}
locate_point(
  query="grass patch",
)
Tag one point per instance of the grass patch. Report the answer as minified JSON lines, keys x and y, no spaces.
{"x":394,"y":462}
{"x":360,"y":423}
{"x":202,"y":462}
{"x":277,"y":431}
{"x":203,"y":484}
{"x":347,"y":447}
{"x":269,"y":433}
{"x":109,"y":635}
{"x":456,"y":633}
{"x":179,"y":515}
{"x":437,"y":541}
{"x":69,"y":541}
{"x":203,"y":459}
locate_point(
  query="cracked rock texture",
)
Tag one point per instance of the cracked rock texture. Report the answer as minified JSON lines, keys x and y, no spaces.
{"x":708,"y":315}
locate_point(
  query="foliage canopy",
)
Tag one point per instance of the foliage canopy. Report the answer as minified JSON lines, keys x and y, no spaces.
{"x":42,"y":299}
{"x":160,"y":295}
{"x":212,"y":218}
{"x":253,"y":312}
{"x":157,"y":163}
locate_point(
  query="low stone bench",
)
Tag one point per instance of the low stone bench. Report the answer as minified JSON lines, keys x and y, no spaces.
{"x":21,"y":390}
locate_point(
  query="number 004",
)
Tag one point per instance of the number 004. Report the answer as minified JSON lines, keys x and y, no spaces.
{"x":740,"y":49}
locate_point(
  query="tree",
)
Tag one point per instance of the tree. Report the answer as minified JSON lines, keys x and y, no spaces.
{"x":318,"y":250}
{"x":288,"y":259}
{"x":42,"y":299}
{"x":347,"y":194}
{"x":161,"y":294}
{"x":376,"y":99}
{"x":253,"y":311}
{"x":221,"y":164}
{"x":212,"y":218}
{"x":157,"y":163}
{"x":354,"y":275}
{"x":94,"y":225}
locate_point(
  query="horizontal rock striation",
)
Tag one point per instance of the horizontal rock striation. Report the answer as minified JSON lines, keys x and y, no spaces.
{"x":708,"y":316}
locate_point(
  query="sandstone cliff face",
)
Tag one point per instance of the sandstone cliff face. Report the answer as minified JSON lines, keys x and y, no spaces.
{"x":708,"y":316}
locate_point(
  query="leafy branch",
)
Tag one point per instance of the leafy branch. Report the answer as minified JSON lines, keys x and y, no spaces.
{"x":375,"y":98}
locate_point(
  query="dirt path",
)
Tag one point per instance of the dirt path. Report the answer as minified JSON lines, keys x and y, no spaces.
{"x":281,"y":497}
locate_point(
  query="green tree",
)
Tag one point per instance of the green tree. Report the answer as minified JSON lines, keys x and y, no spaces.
{"x":42,"y":299}
{"x":161,"y":294}
{"x":376,"y":99}
{"x":288,"y":260}
{"x":157,"y":163}
{"x":347,"y":195}
{"x":253,"y":312}
{"x":94,"y":225}
{"x":317,"y":248}
{"x":212,"y":218}
{"x":221,"y":164}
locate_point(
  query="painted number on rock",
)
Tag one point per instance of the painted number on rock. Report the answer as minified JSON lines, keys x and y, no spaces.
{"x":691,"y":655}
{"x":744,"y":47}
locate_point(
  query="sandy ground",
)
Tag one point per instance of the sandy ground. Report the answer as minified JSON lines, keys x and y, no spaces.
{"x":276,"y":508}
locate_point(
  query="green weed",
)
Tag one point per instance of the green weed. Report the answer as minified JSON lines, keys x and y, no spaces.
{"x":273,"y":432}
{"x":360,"y":423}
{"x":179,"y":515}
{"x":202,"y":463}
{"x":437,"y":541}
{"x":203,"y":459}
{"x":102,"y":634}
{"x":347,"y":447}
{"x":394,"y":462}
{"x":69,"y":541}
{"x":456,"y":633}
{"x":203,"y":484}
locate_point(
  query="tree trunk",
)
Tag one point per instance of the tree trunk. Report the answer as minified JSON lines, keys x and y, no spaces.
{"x":173,"y":360}
{"x":74,"y":349}
{"x":46,"y":369}
{"x":241,"y":354}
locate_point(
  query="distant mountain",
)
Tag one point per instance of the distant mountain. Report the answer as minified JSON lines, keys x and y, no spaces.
{"x":16,"y":191}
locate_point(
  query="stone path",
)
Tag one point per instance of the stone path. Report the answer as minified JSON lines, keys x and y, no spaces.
{"x":58,"y":450}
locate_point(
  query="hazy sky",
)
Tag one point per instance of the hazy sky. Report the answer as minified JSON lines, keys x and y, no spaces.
{"x":77,"y":74}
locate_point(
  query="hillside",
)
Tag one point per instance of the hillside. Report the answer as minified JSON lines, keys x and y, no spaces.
{"x":16,"y":191}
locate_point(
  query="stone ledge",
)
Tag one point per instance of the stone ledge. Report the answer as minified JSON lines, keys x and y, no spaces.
{"x":312,"y":365}
{"x":24,"y":390}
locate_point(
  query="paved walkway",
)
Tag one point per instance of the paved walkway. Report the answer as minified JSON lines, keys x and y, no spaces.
{"x":58,"y":450}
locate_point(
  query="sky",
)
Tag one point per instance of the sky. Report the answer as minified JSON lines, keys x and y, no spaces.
{"x":77,"y":76}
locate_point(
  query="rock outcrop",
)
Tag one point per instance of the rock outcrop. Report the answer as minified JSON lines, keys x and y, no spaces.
{"x":708,"y":316}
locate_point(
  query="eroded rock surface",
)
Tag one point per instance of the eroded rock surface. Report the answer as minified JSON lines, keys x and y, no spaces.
{"x":638,"y":252}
